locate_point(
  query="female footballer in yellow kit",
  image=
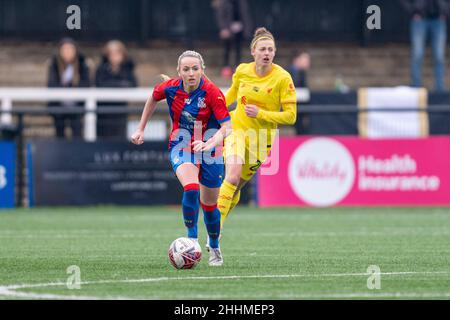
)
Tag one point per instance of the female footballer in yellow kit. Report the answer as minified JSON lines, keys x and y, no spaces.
{"x":266,"y":97}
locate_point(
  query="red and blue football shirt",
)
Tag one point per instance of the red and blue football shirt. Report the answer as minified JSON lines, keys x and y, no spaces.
{"x":205,"y":107}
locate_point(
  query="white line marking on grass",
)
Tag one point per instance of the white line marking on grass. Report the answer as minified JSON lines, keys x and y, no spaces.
{"x":10,"y":290}
{"x":362,"y":233}
{"x":325,"y":295}
{"x":30,"y":295}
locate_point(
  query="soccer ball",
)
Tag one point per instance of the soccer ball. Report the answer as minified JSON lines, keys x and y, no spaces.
{"x":185,"y":253}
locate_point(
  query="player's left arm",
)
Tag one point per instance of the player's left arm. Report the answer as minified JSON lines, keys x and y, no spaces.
{"x":216,"y":139}
{"x":287,"y":114}
{"x":220,"y":111}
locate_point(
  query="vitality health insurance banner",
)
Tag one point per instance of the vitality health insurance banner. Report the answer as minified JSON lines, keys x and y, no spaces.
{"x":351,"y":171}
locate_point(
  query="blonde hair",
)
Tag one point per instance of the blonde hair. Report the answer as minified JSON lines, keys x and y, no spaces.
{"x":261,"y":34}
{"x":192,"y":54}
{"x":115,"y":44}
{"x":164,"y":77}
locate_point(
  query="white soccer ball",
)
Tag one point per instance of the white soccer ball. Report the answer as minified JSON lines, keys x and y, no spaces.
{"x":184,"y":253}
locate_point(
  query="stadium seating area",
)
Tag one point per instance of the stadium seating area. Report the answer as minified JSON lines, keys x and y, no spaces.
{"x":381,"y":65}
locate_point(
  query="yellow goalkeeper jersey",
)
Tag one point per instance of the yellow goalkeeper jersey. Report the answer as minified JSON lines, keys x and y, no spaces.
{"x":274,"y":94}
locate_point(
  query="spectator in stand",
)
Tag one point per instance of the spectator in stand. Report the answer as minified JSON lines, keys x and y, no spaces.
{"x":299,"y":69}
{"x":116,"y":70}
{"x":233,"y":20}
{"x":428,"y":17}
{"x":68,"y":69}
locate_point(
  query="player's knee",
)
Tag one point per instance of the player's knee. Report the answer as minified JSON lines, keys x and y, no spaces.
{"x":208,"y":207}
{"x":233,"y":175}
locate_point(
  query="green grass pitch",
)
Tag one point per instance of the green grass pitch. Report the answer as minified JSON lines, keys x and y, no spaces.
{"x":268,"y":253}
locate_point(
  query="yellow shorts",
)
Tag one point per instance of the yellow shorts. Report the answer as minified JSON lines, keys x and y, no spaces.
{"x":250,"y":149}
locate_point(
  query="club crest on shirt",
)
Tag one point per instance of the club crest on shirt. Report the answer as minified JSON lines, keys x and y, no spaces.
{"x":187,"y":101}
{"x":201,"y":103}
{"x":256,"y":89}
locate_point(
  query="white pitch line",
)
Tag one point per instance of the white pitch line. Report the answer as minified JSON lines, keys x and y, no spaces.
{"x":30,"y":295}
{"x":328,"y":295}
{"x":10,"y":290}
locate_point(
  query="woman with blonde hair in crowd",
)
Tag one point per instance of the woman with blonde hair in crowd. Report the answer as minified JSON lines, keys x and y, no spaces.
{"x":116,"y":70}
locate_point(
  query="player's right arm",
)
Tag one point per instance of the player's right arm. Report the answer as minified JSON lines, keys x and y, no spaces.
{"x":149,"y":109}
{"x":150,"y":106}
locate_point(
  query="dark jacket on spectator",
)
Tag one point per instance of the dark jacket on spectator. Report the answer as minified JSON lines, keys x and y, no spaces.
{"x":423,"y":7}
{"x":299,"y":77}
{"x":80,"y":77}
{"x":104,"y":77}
{"x":224,"y":15}
{"x":113,"y":125}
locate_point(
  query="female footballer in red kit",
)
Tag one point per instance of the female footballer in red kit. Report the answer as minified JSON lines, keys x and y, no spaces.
{"x":197,"y":109}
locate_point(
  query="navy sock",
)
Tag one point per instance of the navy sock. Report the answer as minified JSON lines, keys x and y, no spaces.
{"x":211,"y":216}
{"x":191,"y":205}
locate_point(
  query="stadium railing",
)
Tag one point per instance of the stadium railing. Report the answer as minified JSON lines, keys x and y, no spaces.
{"x":90,"y":97}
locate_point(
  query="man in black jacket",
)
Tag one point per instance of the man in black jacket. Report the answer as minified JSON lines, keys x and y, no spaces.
{"x":428,"y":17}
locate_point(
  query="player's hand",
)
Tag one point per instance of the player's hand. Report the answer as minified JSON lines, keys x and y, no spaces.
{"x":138,"y":137}
{"x":210,"y":144}
{"x":198,"y":145}
{"x":251,"y":110}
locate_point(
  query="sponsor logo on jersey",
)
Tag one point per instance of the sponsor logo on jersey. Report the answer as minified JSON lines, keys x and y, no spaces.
{"x":189,"y":117}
